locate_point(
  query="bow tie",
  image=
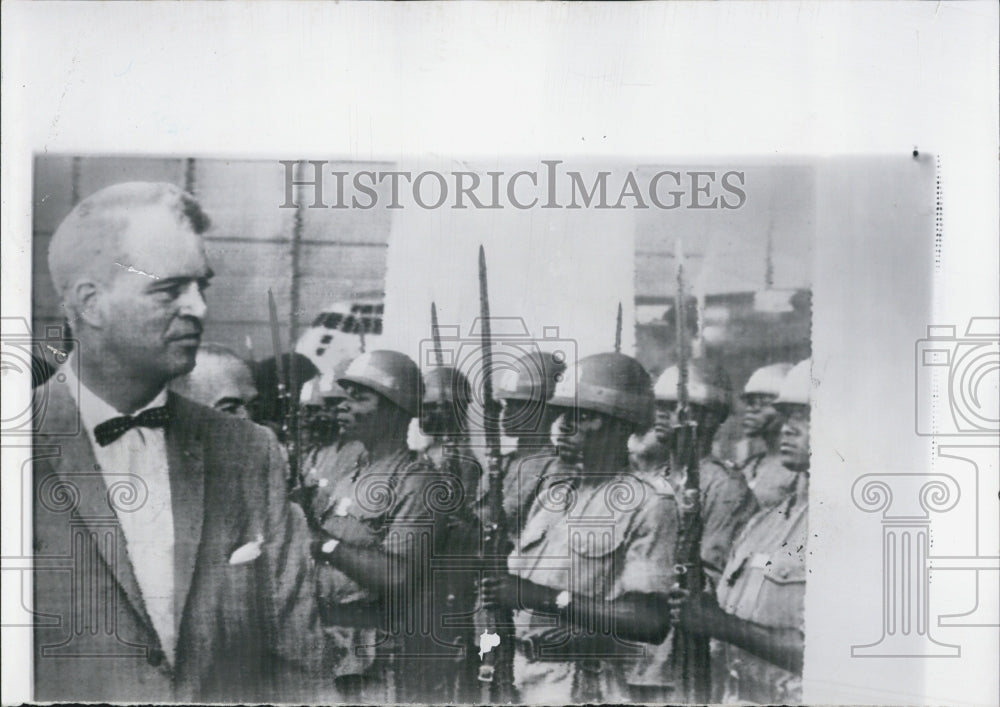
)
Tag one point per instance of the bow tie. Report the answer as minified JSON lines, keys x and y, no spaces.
{"x":110,"y":430}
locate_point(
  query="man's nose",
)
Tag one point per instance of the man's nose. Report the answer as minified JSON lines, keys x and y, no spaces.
{"x":564,"y":424}
{"x":192,"y":302}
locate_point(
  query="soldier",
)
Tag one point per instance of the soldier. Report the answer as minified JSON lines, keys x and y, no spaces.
{"x":726,"y":501}
{"x":327,"y":457}
{"x":221,"y":380}
{"x":767,"y":477}
{"x":318,"y":413}
{"x":443,"y":418}
{"x":382,"y":521}
{"x":760,"y":611}
{"x":595,"y":559}
{"x":524,"y":392}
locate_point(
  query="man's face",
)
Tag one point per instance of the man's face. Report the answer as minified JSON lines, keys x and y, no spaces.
{"x":520,"y":418}
{"x":438,"y":418}
{"x":236,"y":392}
{"x":794,"y":446}
{"x":358,"y":414}
{"x":152,"y":309}
{"x":319,"y":422}
{"x":587,"y":439}
{"x":760,"y":418}
{"x":664,"y":420}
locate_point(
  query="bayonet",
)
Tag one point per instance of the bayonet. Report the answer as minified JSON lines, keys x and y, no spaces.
{"x":496,"y":672}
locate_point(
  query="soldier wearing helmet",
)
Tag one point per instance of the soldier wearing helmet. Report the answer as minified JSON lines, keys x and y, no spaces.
{"x":524,"y":392}
{"x":758,"y":620}
{"x":597,"y":547}
{"x":317,"y":412}
{"x":378,"y":526}
{"x":726,"y":501}
{"x":326,"y":456}
{"x":444,"y":421}
{"x":767,"y":477}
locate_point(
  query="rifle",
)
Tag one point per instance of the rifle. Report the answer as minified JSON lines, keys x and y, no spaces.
{"x":288,"y":409}
{"x":496,"y":673}
{"x":689,"y":651}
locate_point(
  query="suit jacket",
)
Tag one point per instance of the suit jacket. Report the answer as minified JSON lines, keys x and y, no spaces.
{"x":245,"y":632}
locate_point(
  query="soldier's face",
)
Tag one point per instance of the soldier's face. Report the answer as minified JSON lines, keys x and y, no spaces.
{"x":519,"y":418}
{"x":664,"y":420}
{"x":794,"y":446}
{"x":760,"y":417}
{"x":358,"y":414}
{"x":588,"y":438}
{"x":438,"y":418}
{"x":150,"y":314}
{"x":319,"y":423}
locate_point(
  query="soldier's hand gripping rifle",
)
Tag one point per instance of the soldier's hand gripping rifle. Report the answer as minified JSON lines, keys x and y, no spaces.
{"x":288,"y":409}
{"x":690,"y":651}
{"x":496,"y":673}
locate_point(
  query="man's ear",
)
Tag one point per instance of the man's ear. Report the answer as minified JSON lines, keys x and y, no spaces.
{"x":84,"y":300}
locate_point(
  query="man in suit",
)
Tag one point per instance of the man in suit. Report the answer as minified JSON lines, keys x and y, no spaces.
{"x":169,"y":565}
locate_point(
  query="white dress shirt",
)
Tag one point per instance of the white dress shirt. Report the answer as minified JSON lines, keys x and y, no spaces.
{"x":148,"y":522}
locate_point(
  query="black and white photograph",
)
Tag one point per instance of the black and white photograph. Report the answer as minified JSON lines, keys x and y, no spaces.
{"x":450,"y":418}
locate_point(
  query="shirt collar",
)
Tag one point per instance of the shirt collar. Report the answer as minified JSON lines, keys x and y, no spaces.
{"x":93,"y":409}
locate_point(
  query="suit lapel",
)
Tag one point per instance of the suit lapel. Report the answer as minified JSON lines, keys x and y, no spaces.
{"x":185,"y":458}
{"x":76,"y":466}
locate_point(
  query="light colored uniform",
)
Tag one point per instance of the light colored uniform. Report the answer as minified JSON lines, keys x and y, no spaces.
{"x":395,"y":500}
{"x":770,"y":481}
{"x":323,"y":467}
{"x":764,"y":583}
{"x":599,"y":538}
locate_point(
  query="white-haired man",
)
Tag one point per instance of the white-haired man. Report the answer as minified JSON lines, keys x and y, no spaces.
{"x":185,"y":551}
{"x":221,"y":380}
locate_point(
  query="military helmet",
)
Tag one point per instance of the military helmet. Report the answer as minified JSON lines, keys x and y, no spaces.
{"x":609,"y":383}
{"x":329,"y":388}
{"x":310,"y":394}
{"x":795,"y":389}
{"x":766,"y":380}
{"x":389,"y":373}
{"x":707,"y":385}
{"x":532,"y":377}
{"x":446,"y":384}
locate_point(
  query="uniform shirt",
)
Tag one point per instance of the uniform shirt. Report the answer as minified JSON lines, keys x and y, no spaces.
{"x":462,"y":468}
{"x":393,"y":497}
{"x":770,"y":481}
{"x":764,"y":582}
{"x":323,"y":468}
{"x":136,"y":472}
{"x":522,"y":470}
{"x":727,"y":504}
{"x":595,"y":538}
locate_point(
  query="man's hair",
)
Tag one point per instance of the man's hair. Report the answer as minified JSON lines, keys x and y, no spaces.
{"x":207,"y":352}
{"x":89,"y":240}
{"x":213,"y":350}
